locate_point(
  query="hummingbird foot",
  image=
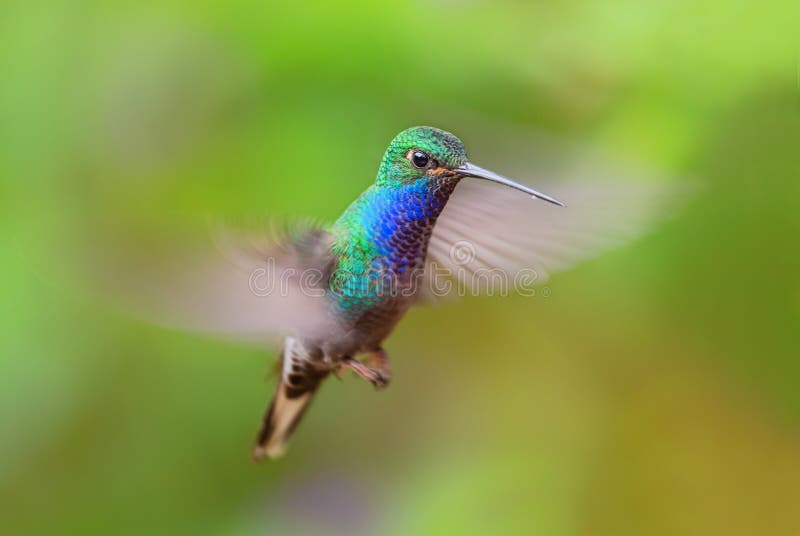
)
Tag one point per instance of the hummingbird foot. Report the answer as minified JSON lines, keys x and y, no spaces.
{"x":379,"y":360}
{"x":378,"y":376}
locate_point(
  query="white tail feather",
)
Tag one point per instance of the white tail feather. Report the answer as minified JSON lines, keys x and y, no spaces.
{"x":295,"y":390}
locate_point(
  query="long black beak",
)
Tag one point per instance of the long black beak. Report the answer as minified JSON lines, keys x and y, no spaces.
{"x":471,"y":170}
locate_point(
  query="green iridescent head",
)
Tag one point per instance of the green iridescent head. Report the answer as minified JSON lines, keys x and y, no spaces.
{"x":428,"y":152}
{"x":420,"y":152}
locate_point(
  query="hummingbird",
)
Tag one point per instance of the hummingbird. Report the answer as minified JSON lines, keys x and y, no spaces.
{"x":373,"y":258}
{"x":432,"y":224}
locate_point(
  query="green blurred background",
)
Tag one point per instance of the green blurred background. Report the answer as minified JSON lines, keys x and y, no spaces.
{"x":655,"y":391}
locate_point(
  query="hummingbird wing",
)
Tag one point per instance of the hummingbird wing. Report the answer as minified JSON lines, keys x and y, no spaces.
{"x":256,"y":285}
{"x":492,"y":239}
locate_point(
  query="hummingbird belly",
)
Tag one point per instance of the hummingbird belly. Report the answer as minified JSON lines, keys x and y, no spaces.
{"x":365,"y":330}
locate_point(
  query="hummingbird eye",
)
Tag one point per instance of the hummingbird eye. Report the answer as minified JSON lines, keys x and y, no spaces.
{"x":419,"y":159}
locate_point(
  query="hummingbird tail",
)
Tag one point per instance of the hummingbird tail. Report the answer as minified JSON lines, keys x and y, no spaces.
{"x":296,"y":388}
{"x":280,"y":421}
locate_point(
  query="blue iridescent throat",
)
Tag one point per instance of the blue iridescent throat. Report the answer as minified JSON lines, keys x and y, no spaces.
{"x":398,"y":220}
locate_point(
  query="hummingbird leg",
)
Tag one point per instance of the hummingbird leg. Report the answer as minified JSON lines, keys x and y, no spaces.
{"x":378,"y":377}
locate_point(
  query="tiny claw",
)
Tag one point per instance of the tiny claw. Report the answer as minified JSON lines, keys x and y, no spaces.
{"x":338,"y":372}
{"x":379,"y":386}
{"x":376,"y":377}
{"x":378,"y":362}
{"x":380,"y":381}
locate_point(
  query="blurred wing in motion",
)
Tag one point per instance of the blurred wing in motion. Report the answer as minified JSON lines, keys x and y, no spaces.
{"x":491,"y":239}
{"x":254,"y":286}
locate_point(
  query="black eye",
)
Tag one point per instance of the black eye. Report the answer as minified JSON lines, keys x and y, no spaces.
{"x":420,"y":159}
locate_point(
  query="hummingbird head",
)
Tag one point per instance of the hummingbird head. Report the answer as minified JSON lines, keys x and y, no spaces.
{"x":430,"y":153}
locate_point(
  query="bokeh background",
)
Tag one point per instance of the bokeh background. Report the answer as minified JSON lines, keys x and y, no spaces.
{"x":655,"y":391}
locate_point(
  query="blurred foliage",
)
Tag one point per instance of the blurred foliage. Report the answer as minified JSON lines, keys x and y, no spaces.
{"x":654,"y":392}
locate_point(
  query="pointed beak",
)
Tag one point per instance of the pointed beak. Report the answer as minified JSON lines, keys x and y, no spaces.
{"x":471,"y":170}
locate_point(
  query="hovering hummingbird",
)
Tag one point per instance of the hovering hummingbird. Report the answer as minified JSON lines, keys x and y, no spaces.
{"x":335,"y":293}
{"x":372,"y":259}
